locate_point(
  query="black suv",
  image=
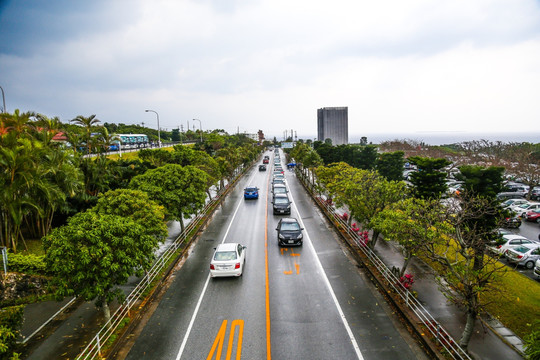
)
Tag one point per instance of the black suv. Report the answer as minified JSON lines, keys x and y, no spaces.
{"x":289,"y":232}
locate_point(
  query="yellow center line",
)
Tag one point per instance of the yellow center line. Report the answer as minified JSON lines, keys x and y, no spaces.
{"x":268,"y":346}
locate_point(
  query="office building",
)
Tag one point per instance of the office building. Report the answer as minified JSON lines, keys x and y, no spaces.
{"x":333,"y":124}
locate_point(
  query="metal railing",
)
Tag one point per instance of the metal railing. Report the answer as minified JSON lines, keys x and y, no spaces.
{"x":95,"y":348}
{"x":433,"y":326}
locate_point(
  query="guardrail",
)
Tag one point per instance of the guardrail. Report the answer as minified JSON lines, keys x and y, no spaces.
{"x":433,"y":326}
{"x":95,"y":348}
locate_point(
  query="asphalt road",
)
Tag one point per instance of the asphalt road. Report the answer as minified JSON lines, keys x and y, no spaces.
{"x":309,"y":302}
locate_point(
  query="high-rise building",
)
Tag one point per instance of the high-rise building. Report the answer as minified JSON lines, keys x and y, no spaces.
{"x":333,"y":124}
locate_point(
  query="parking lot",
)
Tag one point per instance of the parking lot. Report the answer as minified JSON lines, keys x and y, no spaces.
{"x":530,"y":230}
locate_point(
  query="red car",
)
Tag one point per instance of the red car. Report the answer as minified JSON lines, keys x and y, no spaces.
{"x":265,"y":161}
{"x":533,"y":215}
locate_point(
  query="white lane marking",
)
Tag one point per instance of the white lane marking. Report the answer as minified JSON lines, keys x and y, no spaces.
{"x":328,"y":285}
{"x":196,"y":311}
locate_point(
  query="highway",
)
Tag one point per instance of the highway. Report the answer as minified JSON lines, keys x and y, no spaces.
{"x":308,"y":302}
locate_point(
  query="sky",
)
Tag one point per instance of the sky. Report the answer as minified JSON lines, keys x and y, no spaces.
{"x":419,"y":69}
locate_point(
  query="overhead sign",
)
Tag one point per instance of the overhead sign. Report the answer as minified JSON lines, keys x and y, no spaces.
{"x":287,"y":145}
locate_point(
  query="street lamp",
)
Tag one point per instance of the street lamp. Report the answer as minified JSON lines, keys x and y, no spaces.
{"x":158,"y":133}
{"x":200,"y":127}
{"x":3,"y":100}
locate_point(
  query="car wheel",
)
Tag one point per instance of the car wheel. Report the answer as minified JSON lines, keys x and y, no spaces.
{"x":529,"y":265}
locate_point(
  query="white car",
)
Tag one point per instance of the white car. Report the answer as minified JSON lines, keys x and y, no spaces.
{"x":521,"y":210}
{"x":228,"y":260}
{"x":536,"y":270}
{"x":514,"y":202}
{"x":524,"y":255}
{"x":511,"y":241}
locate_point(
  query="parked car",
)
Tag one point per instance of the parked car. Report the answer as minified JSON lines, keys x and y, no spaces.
{"x":262,"y":167}
{"x":289,"y":232}
{"x":228,"y":260}
{"x":536,"y":270}
{"x":281,"y":204}
{"x":510,"y":195}
{"x":521,"y":210}
{"x":510,"y":241}
{"x":251,"y":192}
{"x":525,"y":255}
{"x":535,"y":194}
{"x":533,"y":215}
{"x":512,"y":222}
{"x":514,"y":201}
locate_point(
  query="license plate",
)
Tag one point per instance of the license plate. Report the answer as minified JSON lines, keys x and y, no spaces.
{"x":291,"y":241}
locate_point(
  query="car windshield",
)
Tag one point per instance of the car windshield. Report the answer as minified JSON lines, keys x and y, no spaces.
{"x":290,"y":226}
{"x":225,"y":255}
{"x":280,"y":190}
{"x":251,"y":189}
{"x":281,"y":200}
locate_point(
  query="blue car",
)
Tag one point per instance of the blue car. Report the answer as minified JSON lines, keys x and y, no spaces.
{"x":251,"y":192}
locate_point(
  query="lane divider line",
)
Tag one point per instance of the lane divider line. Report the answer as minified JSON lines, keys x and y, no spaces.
{"x":328,"y":285}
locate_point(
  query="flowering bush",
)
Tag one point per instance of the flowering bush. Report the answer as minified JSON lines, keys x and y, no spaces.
{"x":406,"y":281}
{"x":344,"y":217}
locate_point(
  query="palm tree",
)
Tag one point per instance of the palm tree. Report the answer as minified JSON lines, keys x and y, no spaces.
{"x":87,"y":123}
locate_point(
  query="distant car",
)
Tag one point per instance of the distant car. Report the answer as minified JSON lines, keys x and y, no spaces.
{"x":509,"y":195}
{"x":266,"y":161}
{"x":251,"y":192}
{"x":228,"y":260}
{"x":289,"y":232}
{"x":533,"y":215}
{"x":511,"y":241}
{"x":278,"y":181}
{"x":262,"y":167}
{"x":278,"y":176}
{"x":281,"y":204}
{"x":279,"y":189}
{"x":535,"y":194}
{"x":524,"y":255}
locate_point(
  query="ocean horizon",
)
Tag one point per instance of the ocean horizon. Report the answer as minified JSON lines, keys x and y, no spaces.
{"x":442,"y":138}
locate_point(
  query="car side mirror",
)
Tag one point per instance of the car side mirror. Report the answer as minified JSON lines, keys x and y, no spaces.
{"x":215,"y":248}
{"x":301,"y":228}
{"x":277,"y":228}
{"x":244,"y":247}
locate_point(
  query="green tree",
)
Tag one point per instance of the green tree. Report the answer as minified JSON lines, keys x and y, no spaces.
{"x":94,"y":253}
{"x":179,"y":189}
{"x":88,"y":124}
{"x":412,"y":223}
{"x":429,"y":181}
{"x":390,"y":165}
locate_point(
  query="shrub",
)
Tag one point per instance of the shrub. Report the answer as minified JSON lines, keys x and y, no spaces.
{"x":11,"y":319}
{"x":27,"y":264}
{"x":532,"y":343}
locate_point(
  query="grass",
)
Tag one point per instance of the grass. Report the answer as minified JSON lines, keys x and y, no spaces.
{"x":35,"y":246}
{"x":132,"y":155}
{"x":517,"y":305}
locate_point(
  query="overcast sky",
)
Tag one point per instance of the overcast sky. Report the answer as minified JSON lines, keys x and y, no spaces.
{"x":401,"y":66}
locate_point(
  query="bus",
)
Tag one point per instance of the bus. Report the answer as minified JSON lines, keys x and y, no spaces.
{"x":133,"y":141}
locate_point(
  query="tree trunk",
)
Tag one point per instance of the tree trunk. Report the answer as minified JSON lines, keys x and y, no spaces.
{"x":106,"y":311}
{"x":181,"y":224}
{"x":468,"y":331}
{"x":408,"y":259}
{"x":374,"y":239}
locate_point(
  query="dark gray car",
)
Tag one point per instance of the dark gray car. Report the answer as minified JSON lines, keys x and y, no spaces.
{"x":289,"y":232}
{"x":281,"y":204}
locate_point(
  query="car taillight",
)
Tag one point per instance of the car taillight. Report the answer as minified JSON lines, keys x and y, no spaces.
{"x":520,"y":256}
{"x":499,"y":246}
{"x":212,"y":267}
{"x":237,"y":266}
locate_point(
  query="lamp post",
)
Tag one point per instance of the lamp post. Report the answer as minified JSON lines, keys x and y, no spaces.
{"x":3,"y":100}
{"x":158,"y":133}
{"x":200,"y":127}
